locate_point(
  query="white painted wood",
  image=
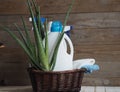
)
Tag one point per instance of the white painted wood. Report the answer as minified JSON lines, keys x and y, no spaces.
{"x":112,"y":89}
{"x":99,"y":89}
{"x":109,"y":89}
{"x":87,"y":89}
{"x":83,"y":88}
{"x":117,"y":89}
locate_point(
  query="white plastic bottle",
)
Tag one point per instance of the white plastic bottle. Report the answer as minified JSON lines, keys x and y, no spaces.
{"x":64,"y":59}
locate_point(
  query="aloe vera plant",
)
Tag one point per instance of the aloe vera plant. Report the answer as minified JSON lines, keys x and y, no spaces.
{"x":36,"y":51}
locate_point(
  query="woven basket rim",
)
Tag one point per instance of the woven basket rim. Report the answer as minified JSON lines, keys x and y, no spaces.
{"x":52,"y":81}
{"x":58,"y":72}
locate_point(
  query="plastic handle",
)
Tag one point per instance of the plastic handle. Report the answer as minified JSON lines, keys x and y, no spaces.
{"x":70,"y":44}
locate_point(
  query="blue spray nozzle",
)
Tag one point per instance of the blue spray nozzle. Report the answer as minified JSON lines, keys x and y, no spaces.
{"x":41,"y":19}
{"x":56,"y":26}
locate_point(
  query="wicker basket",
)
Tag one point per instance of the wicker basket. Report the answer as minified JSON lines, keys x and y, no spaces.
{"x":62,"y":81}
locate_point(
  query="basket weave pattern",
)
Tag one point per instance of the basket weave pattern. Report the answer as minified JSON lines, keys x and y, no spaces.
{"x":62,"y":81}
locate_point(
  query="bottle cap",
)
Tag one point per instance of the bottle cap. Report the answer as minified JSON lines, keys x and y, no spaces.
{"x":56,"y":26}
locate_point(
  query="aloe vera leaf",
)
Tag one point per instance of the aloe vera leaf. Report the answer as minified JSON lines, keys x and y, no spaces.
{"x":21,"y":34}
{"x":46,"y":39}
{"x":35,"y":5}
{"x":38,"y":21}
{"x":26,"y":32}
{"x":30,"y":48}
{"x":39,"y":44}
{"x":24,"y":39}
{"x":22,"y":45}
{"x":68,"y":13}
{"x":28,"y":39}
{"x":41,"y":28}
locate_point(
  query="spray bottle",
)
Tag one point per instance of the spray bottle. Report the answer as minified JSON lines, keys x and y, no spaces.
{"x":64,"y":59}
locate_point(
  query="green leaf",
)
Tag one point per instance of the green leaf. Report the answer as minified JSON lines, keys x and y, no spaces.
{"x":38,"y":20}
{"x":22,"y":45}
{"x":38,"y":39}
{"x":46,"y":40}
{"x":37,"y":52}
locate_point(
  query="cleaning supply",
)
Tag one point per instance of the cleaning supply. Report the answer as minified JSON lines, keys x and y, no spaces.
{"x":42,"y":19}
{"x":64,"y":59}
{"x":77,"y":64}
{"x":66,"y":28}
{"x":88,"y":64}
{"x":91,"y":68}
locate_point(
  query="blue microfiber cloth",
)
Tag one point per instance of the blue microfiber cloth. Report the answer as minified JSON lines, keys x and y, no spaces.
{"x":91,"y":68}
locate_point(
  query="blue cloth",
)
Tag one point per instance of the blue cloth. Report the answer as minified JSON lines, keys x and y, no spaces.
{"x":91,"y":68}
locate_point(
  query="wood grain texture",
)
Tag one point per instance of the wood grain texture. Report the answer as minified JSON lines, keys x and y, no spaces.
{"x":95,"y":34}
{"x":13,"y":67}
{"x":83,"y":89}
{"x":60,"y":6}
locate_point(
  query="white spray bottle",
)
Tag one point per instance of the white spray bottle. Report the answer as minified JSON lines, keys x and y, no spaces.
{"x":64,"y":59}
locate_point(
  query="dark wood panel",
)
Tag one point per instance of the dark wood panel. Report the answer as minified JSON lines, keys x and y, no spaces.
{"x":15,"y":64}
{"x":80,"y":38}
{"x":88,"y":28}
{"x":13,"y":67}
{"x":94,"y":81}
{"x":79,"y":21}
{"x":96,"y":34}
{"x":60,"y":6}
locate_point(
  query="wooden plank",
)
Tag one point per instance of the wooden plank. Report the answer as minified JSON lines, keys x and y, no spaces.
{"x":13,"y":64}
{"x":110,"y":89}
{"x":79,"y":21}
{"x":107,"y":75}
{"x":106,"y":54}
{"x":29,"y":89}
{"x":13,"y":7}
{"x":60,"y":6}
{"x":105,"y":70}
{"x":86,"y":26}
{"x":99,"y":89}
{"x":83,"y":88}
{"x":105,"y":38}
{"x":16,"y":89}
{"x":104,"y":46}
{"x":102,"y":50}
{"x":116,"y":89}
{"x":13,"y":67}
{"x":92,"y":81}
{"x":87,"y":89}
{"x":95,"y":35}
{"x":9,"y":20}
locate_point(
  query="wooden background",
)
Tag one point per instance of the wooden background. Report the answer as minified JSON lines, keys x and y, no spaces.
{"x":96,"y":34}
